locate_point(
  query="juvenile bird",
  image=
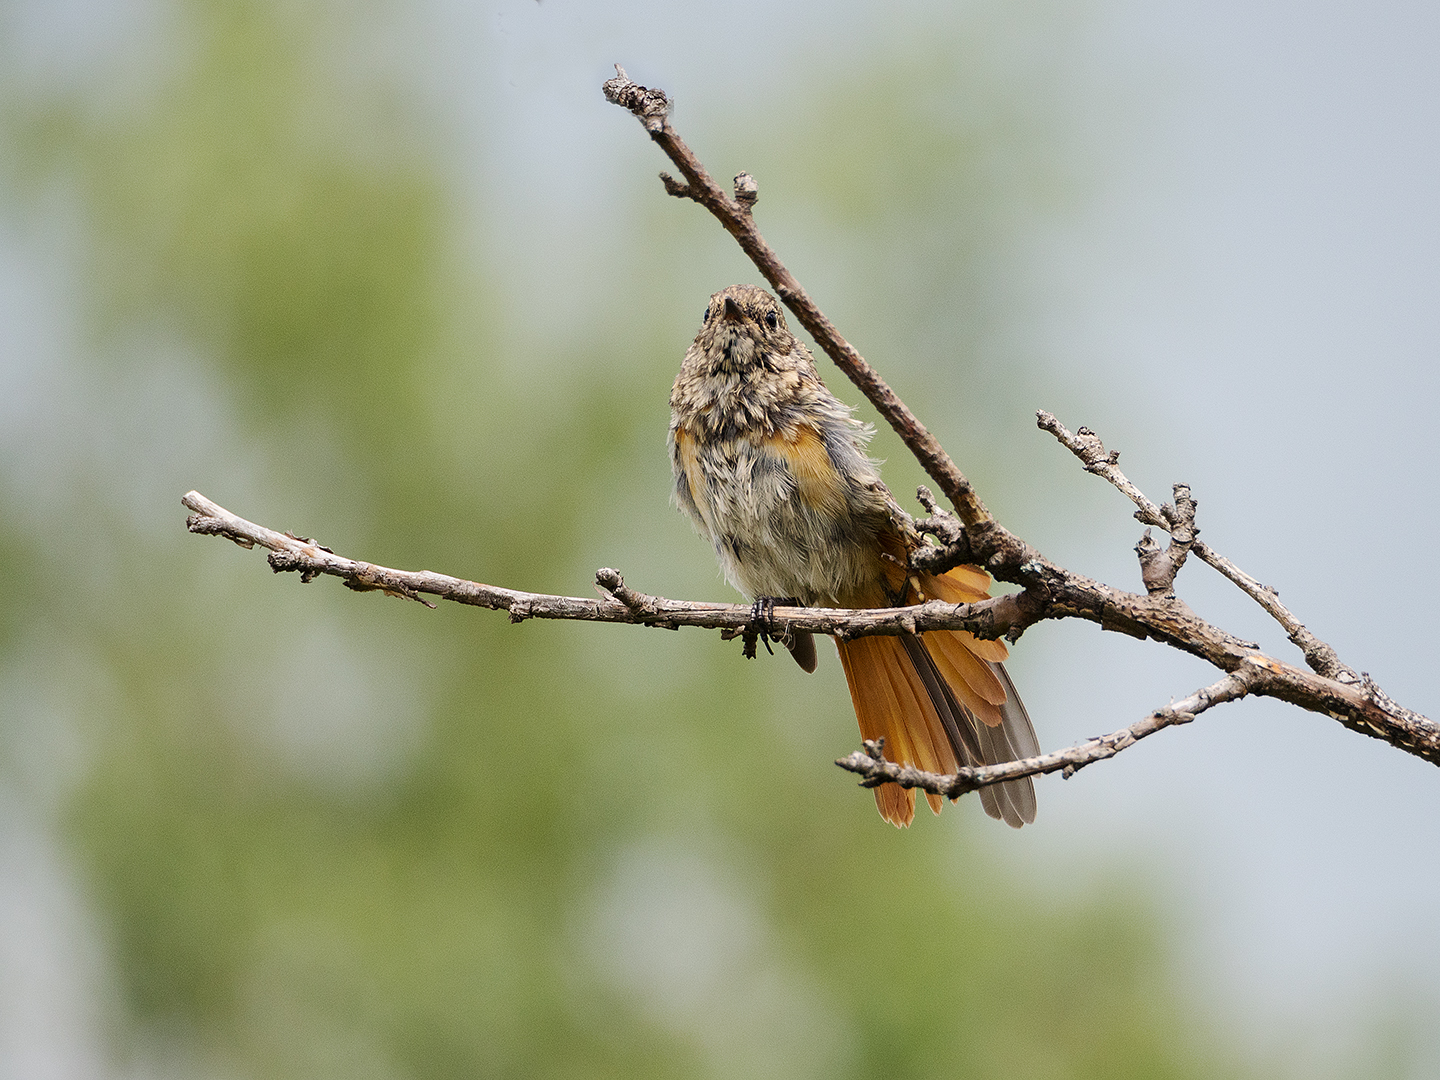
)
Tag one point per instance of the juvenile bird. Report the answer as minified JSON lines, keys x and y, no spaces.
{"x":772,"y":469}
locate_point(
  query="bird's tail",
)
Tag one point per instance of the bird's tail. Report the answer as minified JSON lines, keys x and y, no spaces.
{"x":941,"y":700}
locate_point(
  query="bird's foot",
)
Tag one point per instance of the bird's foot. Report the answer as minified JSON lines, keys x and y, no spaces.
{"x":762,"y":624}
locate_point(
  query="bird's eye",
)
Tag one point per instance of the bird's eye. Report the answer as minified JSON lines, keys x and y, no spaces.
{"x":706,"y":317}
{"x":772,"y":320}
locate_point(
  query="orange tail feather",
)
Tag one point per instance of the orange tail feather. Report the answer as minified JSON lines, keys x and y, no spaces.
{"x":961,"y":709}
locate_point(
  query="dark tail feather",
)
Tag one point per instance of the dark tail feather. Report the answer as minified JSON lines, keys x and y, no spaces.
{"x":1013,"y":739}
{"x":975,"y":743}
{"x":801,"y":644}
{"x":959,"y":725}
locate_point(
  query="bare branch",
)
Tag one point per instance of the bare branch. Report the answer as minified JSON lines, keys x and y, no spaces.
{"x":874,"y":770}
{"x":1320,"y":656}
{"x":1086,"y":445}
{"x":620,"y":604}
{"x":1052,"y":593}
{"x":651,"y":107}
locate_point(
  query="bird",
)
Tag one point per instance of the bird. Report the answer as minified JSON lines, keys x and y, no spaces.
{"x":773,"y":470}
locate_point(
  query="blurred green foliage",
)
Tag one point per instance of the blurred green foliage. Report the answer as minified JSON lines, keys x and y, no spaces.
{"x":568,"y":850}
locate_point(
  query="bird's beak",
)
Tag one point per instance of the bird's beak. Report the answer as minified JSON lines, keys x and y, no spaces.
{"x":731,"y":311}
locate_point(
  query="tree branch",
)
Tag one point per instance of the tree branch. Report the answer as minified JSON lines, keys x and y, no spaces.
{"x":619,"y":604}
{"x":652,"y":108}
{"x":1052,"y":593}
{"x":874,"y":770}
{"x":1086,"y":445}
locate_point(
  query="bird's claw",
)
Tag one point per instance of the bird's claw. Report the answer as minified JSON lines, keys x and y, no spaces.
{"x":762,"y":624}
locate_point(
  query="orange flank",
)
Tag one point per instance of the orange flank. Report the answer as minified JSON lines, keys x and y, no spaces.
{"x":817,"y":483}
{"x":689,"y":457}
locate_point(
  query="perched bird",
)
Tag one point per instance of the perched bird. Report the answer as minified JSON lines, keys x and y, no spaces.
{"x":773,"y":470}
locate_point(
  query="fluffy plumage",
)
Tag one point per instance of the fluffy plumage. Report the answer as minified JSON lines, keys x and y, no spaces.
{"x":773,"y":470}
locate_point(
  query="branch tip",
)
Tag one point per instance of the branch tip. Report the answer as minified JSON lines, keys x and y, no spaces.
{"x":649,"y":106}
{"x":676,"y":188}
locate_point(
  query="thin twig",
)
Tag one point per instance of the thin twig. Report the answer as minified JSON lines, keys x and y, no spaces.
{"x":1320,"y":656}
{"x":651,"y":107}
{"x":874,"y":770}
{"x":620,"y":603}
{"x":1088,"y":447}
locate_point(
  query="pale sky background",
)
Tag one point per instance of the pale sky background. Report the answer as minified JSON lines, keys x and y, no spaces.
{"x":1244,"y":298}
